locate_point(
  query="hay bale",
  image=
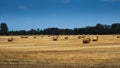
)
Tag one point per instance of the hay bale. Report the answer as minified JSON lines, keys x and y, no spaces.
{"x":66,"y":37}
{"x":48,"y":35}
{"x":83,"y":36}
{"x":118,"y":36}
{"x":79,"y":37}
{"x":86,"y":40}
{"x":95,"y":39}
{"x":55,"y":38}
{"x":24,"y":37}
{"x":10,"y":39}
{"x":42,"y":36}
{"x":34,"y":37}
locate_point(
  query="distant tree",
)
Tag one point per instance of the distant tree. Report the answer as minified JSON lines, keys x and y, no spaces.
{"x":115,"y":28}
{"x":75,"y":30}
{"x":52,"y":31}
{"x":107,"y":29}
{"x":89,"y":30}
{"x":3,"y":29}
{"x":22,"y":32}
{"x":99,"y":28}
{"x":68,"y":31}
{"x":33,"y":32}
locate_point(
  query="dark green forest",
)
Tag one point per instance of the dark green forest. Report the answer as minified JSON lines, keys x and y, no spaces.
{"x":98,"y":29}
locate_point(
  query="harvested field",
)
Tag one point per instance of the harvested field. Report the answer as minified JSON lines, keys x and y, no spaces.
{"x":43,"y":52}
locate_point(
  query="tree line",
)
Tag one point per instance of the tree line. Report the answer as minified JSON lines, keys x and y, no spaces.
{"x":97,"y":29}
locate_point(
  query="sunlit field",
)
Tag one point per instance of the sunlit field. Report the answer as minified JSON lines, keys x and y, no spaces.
{"x":40,"y":51}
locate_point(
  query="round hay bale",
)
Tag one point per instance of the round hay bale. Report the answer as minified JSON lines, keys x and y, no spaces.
{"x":118,"y":36}
{"x":95,"y":39}
{"x":49,"y":36}
{"x":79,"y":37}
{"x":86,"y":40}
{"x":24,"y":37}
{"x":83,"y":36}
{"x":42,"y":36}
{"x":34,"y":37}
{"x":66,"y":37}
{"x":55,"y":38}
{"x":10,"y":39}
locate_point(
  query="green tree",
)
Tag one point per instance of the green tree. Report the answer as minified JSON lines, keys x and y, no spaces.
{"x":3,"y":29}
{"x":32,"y":32}
{"x":99,"y":28}
{"x":115,"y":28}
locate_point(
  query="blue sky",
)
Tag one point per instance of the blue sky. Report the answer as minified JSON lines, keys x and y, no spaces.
{"x":27,"y":14}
